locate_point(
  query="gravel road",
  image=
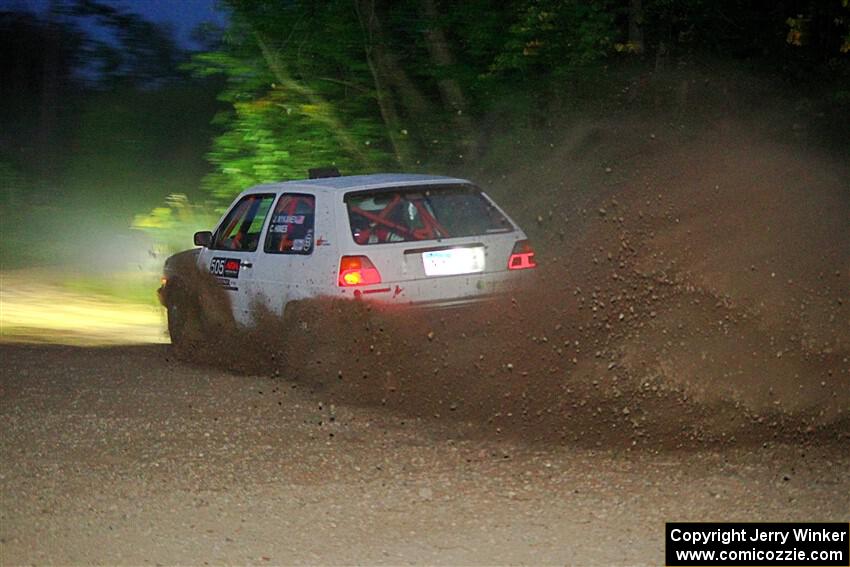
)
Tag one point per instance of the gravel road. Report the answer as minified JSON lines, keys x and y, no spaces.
{"x":124,"y":455}
{"x":689,"y":363}
{"x":35,"y":309}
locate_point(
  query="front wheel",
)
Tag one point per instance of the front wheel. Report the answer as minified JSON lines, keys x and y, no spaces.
{"x":176,"y":322}
{"x":183,"y":314}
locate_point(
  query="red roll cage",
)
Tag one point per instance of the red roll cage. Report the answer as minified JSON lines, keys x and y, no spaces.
{"x":384,"y":226}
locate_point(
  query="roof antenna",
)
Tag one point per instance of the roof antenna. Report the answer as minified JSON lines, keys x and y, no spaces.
{"x":321,"y":172}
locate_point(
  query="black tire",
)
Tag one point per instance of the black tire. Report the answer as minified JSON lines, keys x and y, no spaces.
{"x":182,"y":310}
{"x":292,"y":314}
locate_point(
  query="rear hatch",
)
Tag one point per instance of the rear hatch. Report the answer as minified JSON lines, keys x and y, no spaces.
{"x":432,"y":243}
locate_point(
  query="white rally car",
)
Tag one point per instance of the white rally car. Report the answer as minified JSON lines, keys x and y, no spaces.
{"x":405,"y":239}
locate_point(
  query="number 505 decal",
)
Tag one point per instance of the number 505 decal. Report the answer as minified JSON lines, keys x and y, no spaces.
{"x":225,"y":267}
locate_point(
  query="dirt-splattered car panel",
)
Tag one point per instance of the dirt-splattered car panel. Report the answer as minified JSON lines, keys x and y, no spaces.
{"x":401,"y":239}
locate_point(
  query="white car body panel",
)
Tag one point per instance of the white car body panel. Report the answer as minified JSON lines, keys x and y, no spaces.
{"x":273,"y":280}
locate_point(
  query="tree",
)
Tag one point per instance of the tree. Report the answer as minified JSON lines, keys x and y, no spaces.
{"x":450,"y":90}
{"x":300,"y":95}
{"x":41,"y":58}
{"x":369,"y":83}
{"x":383,"y":68}
{"x":145,"y":54}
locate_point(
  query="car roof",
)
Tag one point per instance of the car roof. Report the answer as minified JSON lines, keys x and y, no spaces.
{"x":348,"y":182}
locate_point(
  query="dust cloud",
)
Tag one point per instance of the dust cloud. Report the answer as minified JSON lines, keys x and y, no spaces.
{"x":692,"y":290}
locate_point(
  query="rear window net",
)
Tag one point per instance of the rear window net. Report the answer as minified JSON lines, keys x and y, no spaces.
{"x":420,"y":213}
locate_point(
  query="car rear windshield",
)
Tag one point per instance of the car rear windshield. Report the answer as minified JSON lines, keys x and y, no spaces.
{"x":433,"y":212}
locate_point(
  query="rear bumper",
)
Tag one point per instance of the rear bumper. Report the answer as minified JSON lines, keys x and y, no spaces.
{"x":452,"y":292}
{"x":457,"y":303}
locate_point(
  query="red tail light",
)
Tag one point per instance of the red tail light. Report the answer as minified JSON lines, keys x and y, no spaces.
{"x":357,"y":270}
{"x":522,"y":256}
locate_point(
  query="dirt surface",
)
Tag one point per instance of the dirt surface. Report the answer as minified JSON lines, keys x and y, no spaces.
{"x":123,"y":455}
{"x":684,"y":354}
{"x":697,"y":299}
{"x":36,"y":308}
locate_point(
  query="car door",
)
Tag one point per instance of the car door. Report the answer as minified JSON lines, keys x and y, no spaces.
{"x":286,"y":272}
{"x":233,"y":252}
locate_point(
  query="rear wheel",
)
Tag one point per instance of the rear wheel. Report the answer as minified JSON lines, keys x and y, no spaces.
{"x":294,"y":317}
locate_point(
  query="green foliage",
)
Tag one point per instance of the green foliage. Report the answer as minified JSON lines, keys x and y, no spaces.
{"x":558,"y":37}
{"x":171,"y":227}
{"x":368,"y":85}
{"x":276,"y":138}
{"x":299,"y":99}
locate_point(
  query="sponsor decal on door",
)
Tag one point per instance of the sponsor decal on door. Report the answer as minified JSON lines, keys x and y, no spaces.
{"x":225,"y":267}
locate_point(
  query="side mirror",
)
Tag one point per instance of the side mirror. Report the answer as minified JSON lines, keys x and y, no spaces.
{"x":203,"y":238}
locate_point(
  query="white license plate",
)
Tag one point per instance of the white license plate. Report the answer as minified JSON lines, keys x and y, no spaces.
{"x":453,"y":261}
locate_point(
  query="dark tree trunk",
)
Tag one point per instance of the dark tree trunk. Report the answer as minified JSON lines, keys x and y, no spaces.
{"x":377,"y":62}
{"x":450,"y":91}
{"x":636,"y":26}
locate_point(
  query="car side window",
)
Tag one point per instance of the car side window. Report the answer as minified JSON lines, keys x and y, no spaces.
{"x":242,"y":227}
{"x":292,"y":225}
